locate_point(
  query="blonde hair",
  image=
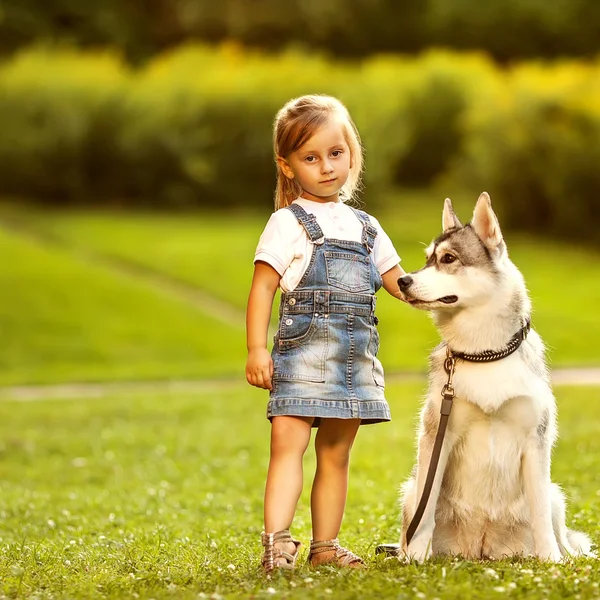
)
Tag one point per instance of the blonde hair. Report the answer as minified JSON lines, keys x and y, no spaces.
{"x":295,"y":124}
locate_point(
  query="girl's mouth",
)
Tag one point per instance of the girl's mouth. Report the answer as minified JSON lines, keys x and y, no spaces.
{"x":329,"y":180}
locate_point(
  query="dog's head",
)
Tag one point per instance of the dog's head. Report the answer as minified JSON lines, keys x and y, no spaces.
{"x":463,"y":264}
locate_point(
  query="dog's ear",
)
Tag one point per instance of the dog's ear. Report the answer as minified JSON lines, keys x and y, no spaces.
{"x":449,"y":219}
{"x":485,"y":223}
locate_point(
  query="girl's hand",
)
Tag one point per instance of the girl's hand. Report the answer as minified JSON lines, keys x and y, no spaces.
{"x":259,"y":368}
{"x":390,"y":282}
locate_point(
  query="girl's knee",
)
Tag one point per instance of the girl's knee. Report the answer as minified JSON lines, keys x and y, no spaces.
{"x":333,"y":453}
{"x":289,"y":435}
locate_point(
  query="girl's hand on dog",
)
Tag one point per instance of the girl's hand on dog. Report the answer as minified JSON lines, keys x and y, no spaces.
{"x":259,"y":368}
{"x":390,"y":282}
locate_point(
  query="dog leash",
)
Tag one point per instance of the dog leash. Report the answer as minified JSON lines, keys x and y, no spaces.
{"x":445,"y":409}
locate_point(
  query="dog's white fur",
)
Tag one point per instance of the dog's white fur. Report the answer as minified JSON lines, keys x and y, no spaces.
{"x":492,"y":495}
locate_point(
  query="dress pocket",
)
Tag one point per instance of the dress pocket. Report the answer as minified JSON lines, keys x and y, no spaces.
{"x":348,"y":271}
{"x":300,"y":349}
{"x":296,"y":329}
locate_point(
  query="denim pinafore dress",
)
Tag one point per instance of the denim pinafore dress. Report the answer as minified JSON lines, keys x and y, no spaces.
{"x":325,"y":350}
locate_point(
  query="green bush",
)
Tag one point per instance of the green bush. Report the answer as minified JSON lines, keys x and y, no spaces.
{"x":200,"y":123}
{"x":534,"y":143}
{"x":409,"y":113}
{"x":60,"y":113}
{"x":193,"y":128}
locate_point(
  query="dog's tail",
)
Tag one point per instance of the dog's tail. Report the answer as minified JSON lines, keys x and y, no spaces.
{"x":581,"y":543}
{"x":569,"y":541}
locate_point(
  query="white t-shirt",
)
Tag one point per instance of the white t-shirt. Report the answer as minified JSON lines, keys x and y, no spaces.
{"x":285,"y":246}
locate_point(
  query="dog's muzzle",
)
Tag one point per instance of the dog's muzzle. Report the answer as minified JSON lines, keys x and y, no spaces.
{"x":406,"y":281}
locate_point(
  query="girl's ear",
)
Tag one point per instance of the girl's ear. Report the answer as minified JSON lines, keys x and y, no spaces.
{"x":285,"y":167}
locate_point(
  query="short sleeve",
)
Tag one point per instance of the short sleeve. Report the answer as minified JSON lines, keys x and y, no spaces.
{"x":384,"y":253}
{"x":276,"y":245}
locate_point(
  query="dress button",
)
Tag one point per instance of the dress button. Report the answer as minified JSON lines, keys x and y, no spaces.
{"x":292,"y":301}
{"x":288,"y":321}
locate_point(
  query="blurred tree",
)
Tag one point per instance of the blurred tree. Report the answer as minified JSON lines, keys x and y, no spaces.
{"x":510,"y":29}
{"x":507,"y":29}
{"x":342,"y":27}
{"x":139,"y":27}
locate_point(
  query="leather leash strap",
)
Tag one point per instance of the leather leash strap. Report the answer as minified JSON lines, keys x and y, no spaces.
{"x":445,"y":409}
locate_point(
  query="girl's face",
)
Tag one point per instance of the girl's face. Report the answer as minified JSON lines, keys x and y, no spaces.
{"x":322,"y":164}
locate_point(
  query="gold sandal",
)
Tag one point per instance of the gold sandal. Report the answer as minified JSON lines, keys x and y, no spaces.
{"x":342,"y":557}
{"x":275,"y":558}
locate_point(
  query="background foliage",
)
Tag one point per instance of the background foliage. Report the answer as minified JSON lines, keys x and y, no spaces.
{"x":507,"y":30}
{"x":193,"y":128}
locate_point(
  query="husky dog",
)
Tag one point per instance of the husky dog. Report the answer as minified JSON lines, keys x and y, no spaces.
{"x":492,"y":496}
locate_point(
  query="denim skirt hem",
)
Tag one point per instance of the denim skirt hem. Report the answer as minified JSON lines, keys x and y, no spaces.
{"x":368,"y":411}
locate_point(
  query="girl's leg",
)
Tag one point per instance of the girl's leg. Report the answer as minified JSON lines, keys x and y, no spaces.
{"x":289,"y":440}
{"x":332,"y":444}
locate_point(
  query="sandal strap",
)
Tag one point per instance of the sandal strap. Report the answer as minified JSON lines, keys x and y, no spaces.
{"x":279,"y":536}
{"x":271,"y":554}
{"x":343,"y":557}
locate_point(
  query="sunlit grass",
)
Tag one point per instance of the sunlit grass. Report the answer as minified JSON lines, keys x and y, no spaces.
{"x":63,"y":319}
{"x":160,"y":495}
{"x":214,"y":251}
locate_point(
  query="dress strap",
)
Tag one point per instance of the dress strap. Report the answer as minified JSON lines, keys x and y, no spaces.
{"x":309,"y":222}
{"x":369,"y":232}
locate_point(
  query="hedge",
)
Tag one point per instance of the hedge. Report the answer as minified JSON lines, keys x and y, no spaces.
{"x":193,"y":128}
{"x":536,"y":144}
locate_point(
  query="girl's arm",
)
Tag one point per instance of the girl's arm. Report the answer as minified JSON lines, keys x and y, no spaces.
{"x":259,"y":366}
{"x":390,"y":282}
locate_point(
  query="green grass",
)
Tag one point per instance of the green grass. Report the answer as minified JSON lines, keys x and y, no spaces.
{"x":214,"y":252}
{"x":62,"y":319}
{"x":158,"y":496}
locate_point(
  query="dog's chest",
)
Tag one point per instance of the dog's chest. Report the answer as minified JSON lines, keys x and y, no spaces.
{"x":484,"y":467}
{"x":491,"y":385}
{"x":515,"y":417}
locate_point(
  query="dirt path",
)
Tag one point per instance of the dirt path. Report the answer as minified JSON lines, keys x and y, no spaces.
{"x":69,"y":391}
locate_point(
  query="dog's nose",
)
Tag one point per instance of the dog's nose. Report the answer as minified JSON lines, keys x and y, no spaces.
{"x":404,"y":282}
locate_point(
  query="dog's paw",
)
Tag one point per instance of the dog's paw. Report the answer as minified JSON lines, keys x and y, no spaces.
{"x":550,"y":554}
{"x":419,"y":550}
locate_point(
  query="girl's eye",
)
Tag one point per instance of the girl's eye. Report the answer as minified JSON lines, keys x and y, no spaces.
{"x":447,"y":258}
{"x":310,"y":159}
{"x":336,"y":153}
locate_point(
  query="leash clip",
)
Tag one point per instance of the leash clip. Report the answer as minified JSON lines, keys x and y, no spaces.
{"x":449,"y":366}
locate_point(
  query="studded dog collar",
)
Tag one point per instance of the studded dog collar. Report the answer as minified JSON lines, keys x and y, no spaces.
{"x":493,"y":355}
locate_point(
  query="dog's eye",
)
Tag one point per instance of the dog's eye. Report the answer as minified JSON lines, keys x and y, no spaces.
{"x":447,"y":258}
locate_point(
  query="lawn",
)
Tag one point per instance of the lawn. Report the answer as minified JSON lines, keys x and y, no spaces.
{"x":63,"y":319}
{"x":160,"y":496}
{"x":214,"y":252}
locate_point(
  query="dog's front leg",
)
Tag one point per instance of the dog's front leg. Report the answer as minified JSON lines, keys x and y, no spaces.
{"x":536,"y":482}
{"x":420,"y":546}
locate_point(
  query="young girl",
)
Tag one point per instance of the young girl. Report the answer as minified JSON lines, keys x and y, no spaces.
{"x":329,"y":260}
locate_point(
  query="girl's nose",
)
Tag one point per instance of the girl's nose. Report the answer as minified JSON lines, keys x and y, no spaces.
{"x":327,"y":168}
